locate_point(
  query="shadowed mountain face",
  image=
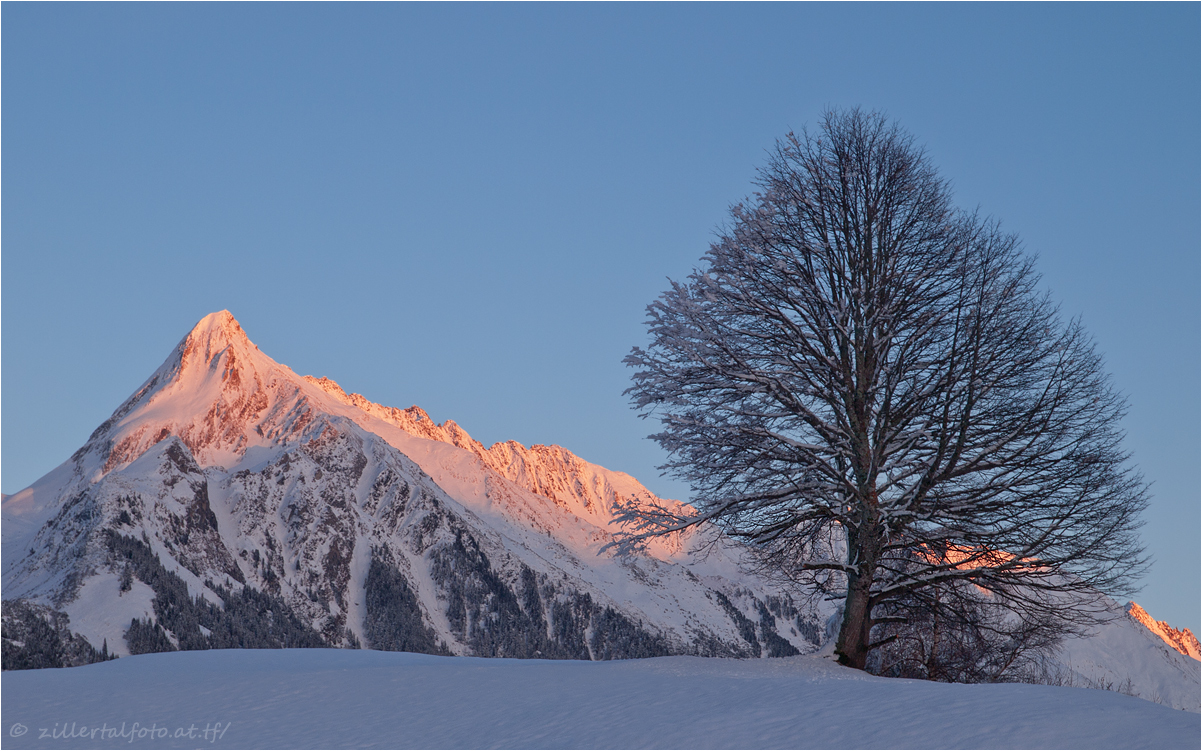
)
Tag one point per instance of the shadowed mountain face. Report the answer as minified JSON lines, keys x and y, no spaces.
{"x":231,"y":503}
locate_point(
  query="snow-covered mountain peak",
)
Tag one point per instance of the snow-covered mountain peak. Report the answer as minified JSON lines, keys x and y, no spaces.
{"x":216,"y":332}
{"x":216,"y":391}
{"x":221,"y":395}
{"x":215,"y":335}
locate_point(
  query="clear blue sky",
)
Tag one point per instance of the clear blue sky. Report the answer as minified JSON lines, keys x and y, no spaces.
{"x":468,"y":207}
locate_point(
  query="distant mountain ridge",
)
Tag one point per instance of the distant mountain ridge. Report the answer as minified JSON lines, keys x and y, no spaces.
{"x":229,"y":502}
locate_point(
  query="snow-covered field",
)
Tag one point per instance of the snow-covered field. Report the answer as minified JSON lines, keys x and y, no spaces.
{"x":364,"y":699}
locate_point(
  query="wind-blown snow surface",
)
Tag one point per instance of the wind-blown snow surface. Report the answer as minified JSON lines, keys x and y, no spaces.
{"x":364,"y":699}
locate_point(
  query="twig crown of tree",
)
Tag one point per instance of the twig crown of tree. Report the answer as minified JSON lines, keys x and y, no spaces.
{"x":866,"y":385}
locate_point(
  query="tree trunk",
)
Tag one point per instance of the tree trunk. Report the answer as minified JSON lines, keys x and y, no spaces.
{"x":852,"y":644}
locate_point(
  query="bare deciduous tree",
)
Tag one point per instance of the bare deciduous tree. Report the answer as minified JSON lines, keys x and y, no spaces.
{"x":866,"y":385}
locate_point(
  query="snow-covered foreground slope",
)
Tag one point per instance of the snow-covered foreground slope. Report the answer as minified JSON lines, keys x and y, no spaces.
{"x":362,"y":699}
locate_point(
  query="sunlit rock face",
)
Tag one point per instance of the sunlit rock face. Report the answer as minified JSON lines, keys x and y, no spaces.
{"x":232,"y":503}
